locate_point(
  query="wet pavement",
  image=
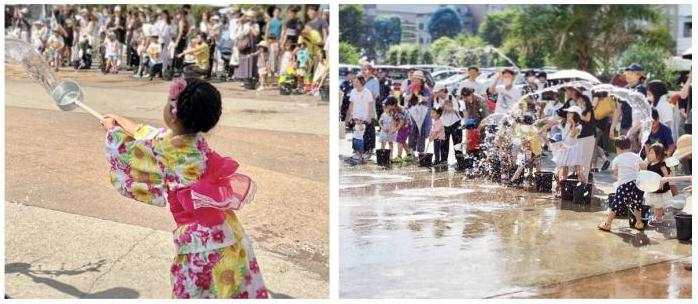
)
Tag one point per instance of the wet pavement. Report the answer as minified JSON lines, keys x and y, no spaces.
{"x":408,"y":232}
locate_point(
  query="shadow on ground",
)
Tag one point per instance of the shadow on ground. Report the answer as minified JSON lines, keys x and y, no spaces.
{"x":36,"y":276}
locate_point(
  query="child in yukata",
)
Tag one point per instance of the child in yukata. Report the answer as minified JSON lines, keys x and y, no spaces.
{"x":157,"y":166}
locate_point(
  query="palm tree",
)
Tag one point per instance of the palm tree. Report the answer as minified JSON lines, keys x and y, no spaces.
{"x":592,"y":34}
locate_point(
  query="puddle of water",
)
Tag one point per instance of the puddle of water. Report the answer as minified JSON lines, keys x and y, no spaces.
{"x":423,"y":234}
{"x":430,"y":192}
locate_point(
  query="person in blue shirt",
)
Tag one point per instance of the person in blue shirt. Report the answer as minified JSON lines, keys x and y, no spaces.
{"x":275,"y":23}
{"x":660,"y":134}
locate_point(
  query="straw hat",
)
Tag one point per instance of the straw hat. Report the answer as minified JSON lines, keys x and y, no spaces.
{"x":683,"y":146}
{"x":418,"y":74}
{"x":250,"y":13}
{"x":263,"y":44}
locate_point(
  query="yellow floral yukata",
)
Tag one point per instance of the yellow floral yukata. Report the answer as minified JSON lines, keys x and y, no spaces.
{"x":214,"y":257}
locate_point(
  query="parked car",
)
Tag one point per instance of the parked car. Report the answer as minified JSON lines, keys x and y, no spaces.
{"x":453,"y":83}
{"x":431,"y":68}
{"x":344,"y":70}
{"x":400,"y":73}
{"x":444,"y":74}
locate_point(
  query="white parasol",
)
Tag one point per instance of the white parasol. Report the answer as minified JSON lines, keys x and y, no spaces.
{"x":574,"y":75}
{"x":418,"y":113}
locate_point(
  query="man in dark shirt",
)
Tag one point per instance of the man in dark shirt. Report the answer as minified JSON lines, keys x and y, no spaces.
{"x":385,"y":83}
{"x":316,"y":22}
{"x":292,"y":27}
{"x":623,"y":114}
{"x":660,"y":134}
{"x":346,"y":87}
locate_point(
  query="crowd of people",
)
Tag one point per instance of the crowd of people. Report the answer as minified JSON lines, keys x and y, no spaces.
{"x":263,"y":46}
{"x":577,"y":128}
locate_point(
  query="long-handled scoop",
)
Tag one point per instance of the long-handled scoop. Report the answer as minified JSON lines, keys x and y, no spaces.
{"x":68,"y":95}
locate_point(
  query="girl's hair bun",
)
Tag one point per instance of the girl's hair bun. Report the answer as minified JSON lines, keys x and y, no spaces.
{"x":199,"y":106}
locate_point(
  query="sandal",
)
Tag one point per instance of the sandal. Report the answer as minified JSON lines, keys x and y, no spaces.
{"x":640,"y":226}
{"x":655,"y":222}
{"x":604,"y":226}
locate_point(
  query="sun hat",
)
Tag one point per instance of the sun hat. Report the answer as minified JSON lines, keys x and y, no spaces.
{"x":418,"y":74}
{"x":683,"y":149}
{"x":683,"y":146}
{"x":574,"y":109}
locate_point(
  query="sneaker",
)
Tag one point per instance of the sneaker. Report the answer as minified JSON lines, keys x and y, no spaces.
{"x":261,"y":88}
{"x":356,"y":157}
{"x":397,"y":160}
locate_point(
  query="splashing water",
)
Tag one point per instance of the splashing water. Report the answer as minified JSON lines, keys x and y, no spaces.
{"x":641,"y":109}
{"x":66,"y":93}
{"x":21,"y":52}
{"x":499,"y":135}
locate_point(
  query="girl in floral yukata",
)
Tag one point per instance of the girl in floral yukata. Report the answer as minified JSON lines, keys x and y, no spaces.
{"x":175,"y":165}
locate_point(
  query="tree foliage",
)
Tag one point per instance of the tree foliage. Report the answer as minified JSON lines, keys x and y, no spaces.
{"x":651,"y":58}
{"x":444,"y":22}
{"x":387,"y":30}
{"x":496,"y":26}
{"x":348,"y":54}
{"x":414,"y":56}
{"x":393,"y":55}
{"x":351,"y":17}
{"x":427,"y":58}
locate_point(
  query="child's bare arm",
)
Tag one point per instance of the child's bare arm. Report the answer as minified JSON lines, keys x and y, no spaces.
{"x":125,"y":123}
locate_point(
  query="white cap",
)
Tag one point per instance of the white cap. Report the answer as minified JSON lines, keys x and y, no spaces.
{"x":574,"y":109}
{"x":117,"y":8}
{"x":439,"y":86}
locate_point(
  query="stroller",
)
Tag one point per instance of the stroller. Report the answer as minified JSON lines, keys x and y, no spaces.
{"x":84,"y":56}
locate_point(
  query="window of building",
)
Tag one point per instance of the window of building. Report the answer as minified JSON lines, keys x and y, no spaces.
{"x":687,"y":27}
{"x":421,"y":26}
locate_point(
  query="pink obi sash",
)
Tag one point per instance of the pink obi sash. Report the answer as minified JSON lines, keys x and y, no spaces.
{"x":218,"y":189}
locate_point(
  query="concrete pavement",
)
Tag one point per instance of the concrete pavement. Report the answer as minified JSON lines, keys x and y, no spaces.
{"x":55,"y":161}
{"x":53,"y":254}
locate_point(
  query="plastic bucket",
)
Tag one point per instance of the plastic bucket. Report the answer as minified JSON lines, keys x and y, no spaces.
{"x":683,"y":226}
{"x":544,"y":181}
{"x":567,"y":189}
{"x":582,"y":193}
{"x":425,"y":159}
{"x":250,"y":83}
{"x":383,"y":157}
{"x":464,"y":162}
